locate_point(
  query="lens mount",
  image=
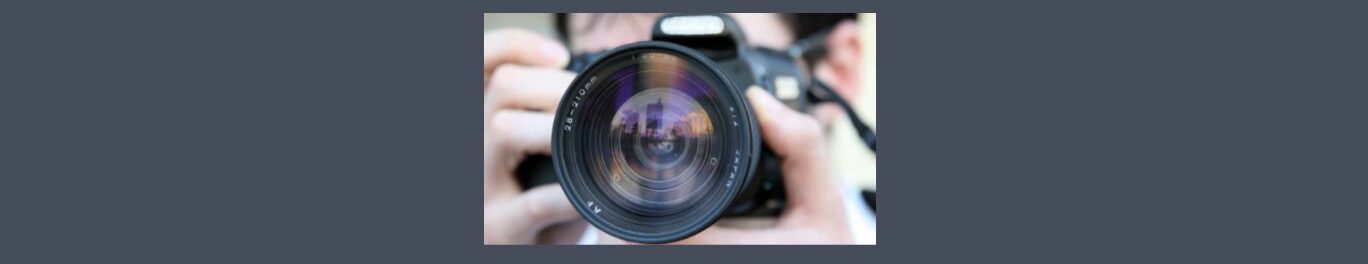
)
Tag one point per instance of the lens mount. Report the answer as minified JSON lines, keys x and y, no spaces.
{"x":652,"y":142}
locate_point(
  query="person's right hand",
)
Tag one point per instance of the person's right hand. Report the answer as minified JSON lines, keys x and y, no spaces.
{"x":815,"y":213}
{"x":523,"y":82}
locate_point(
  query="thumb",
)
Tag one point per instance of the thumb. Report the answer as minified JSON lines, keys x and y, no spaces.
{"x":786,"y":131}
{"x":545,"y":205}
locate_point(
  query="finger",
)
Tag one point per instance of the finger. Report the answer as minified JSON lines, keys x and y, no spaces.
{"x":519,"y":46}
{"x":520,"y":219}
{"x":517,"y":133}
{"x":509,"y":137}
{"x":789,"y":133}
{"x":522,"y":87}
{"x":813,"y":191}
{"x":723,"y":235}
{"x":545,"y":205}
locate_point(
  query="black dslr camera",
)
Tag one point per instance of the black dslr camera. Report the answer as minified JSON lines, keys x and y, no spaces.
{"x":655,"y":140}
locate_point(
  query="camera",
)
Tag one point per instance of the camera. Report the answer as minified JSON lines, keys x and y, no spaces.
{"x":654,"y":141}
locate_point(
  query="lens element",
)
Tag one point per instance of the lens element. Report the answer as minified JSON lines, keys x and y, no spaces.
{"x":661,"y":139}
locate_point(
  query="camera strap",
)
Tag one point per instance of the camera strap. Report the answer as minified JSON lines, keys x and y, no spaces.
{"x":810,"y":49}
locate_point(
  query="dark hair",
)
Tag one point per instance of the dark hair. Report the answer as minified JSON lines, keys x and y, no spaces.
{"x":807,"y":23}
{"x":803,"y":24}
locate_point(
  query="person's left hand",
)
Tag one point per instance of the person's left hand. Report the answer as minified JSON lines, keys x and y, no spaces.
{"x":523,"y":83}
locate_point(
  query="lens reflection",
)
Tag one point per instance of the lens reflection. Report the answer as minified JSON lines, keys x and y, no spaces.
{"x":659,"y":152}
{"x":660,"y":136}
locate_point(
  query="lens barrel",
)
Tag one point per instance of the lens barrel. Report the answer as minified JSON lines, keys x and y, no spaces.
{"x":653,"y":142}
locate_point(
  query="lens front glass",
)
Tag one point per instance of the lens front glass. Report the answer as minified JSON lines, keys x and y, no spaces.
{"x":661,"y":141}
{"x":653,"y":143}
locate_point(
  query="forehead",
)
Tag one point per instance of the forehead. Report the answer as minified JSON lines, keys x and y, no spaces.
{"x":595,"y":32}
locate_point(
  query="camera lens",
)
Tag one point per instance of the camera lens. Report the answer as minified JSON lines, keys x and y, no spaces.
{"x":652,"y":142}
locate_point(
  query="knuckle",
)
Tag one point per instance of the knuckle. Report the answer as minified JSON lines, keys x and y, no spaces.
{"x":500,"y":82}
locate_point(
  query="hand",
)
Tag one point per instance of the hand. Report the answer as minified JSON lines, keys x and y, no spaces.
{"x":523,"y":84}
{"x":815,"y":213}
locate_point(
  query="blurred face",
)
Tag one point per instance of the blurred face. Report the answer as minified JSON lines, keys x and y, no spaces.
{"x":597,"y":32}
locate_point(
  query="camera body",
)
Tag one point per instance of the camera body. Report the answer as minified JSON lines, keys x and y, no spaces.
{"x":717,"y":46}
{"x":723,"y":41}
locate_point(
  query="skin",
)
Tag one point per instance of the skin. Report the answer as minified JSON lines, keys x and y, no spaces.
{"x":524,"y":82}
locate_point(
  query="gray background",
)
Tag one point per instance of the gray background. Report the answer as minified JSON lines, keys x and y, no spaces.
{"x":331,"y":131}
